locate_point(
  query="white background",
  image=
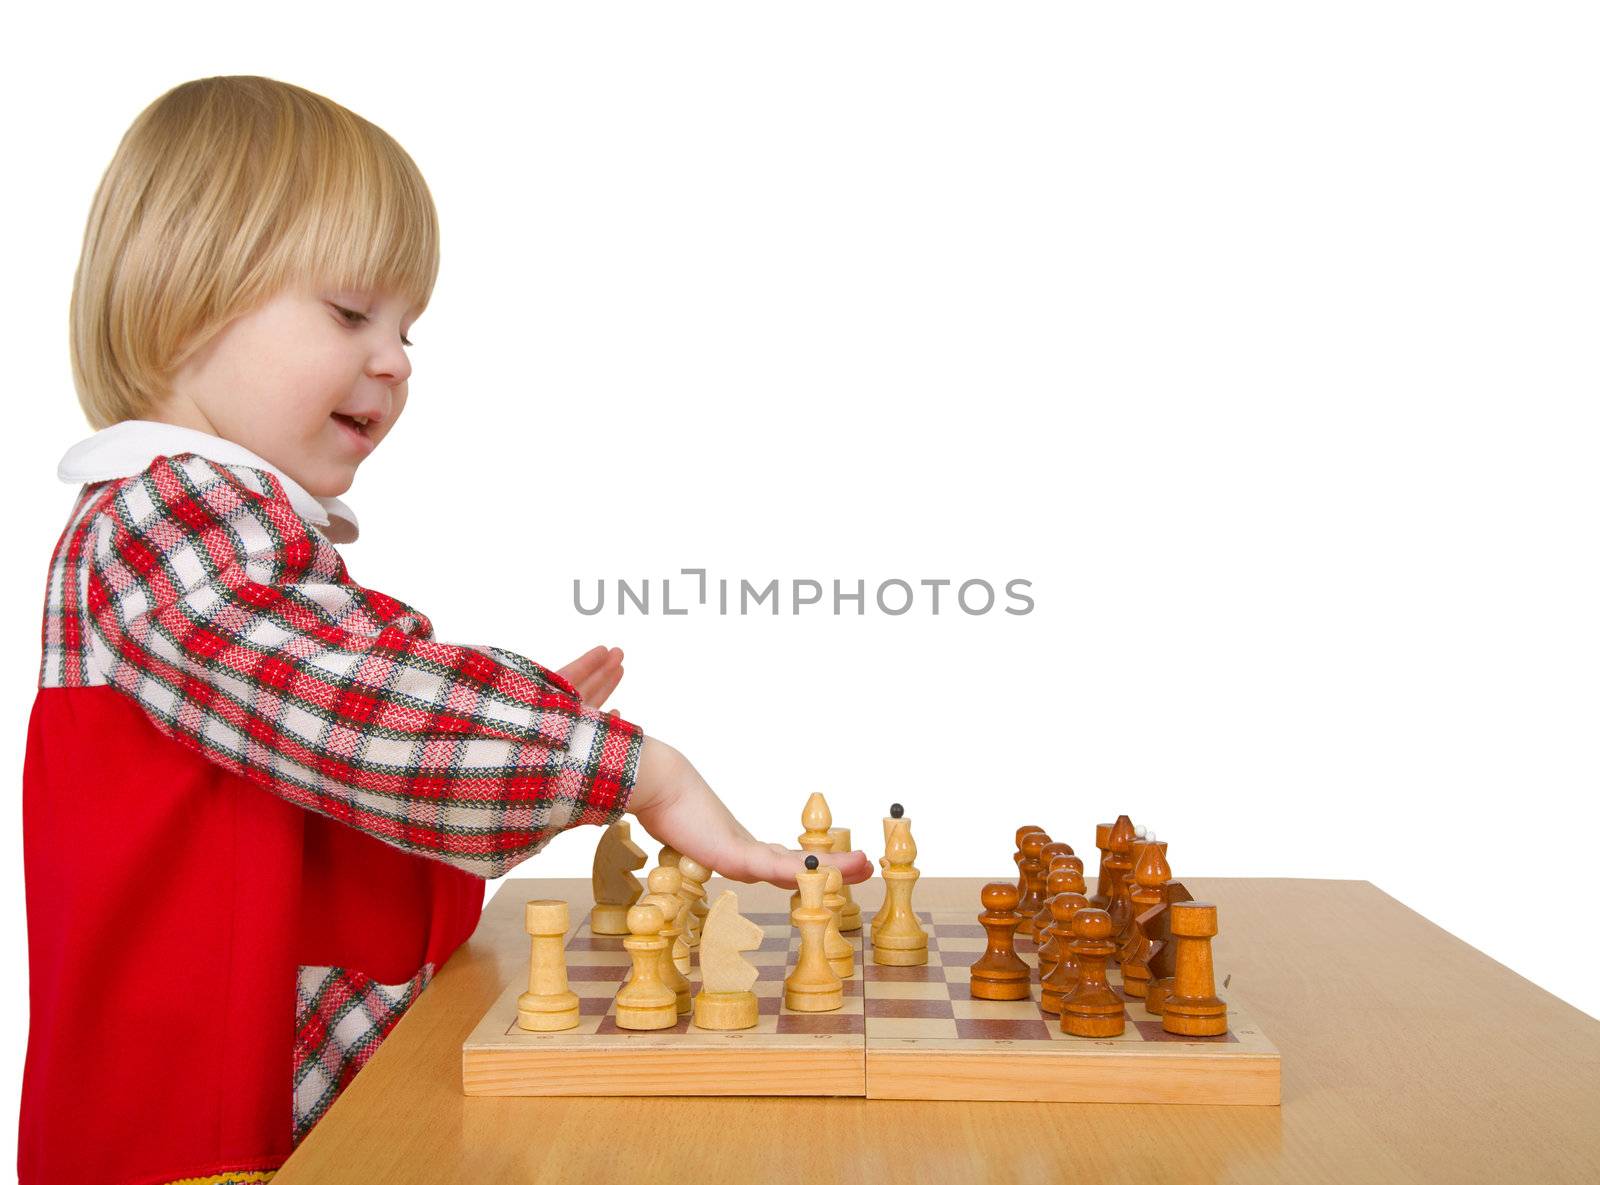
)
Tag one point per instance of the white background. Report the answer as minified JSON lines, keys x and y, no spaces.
{"x":1260,"y":338}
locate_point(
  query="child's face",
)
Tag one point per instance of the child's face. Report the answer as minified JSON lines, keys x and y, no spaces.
{"x":273,"y":379}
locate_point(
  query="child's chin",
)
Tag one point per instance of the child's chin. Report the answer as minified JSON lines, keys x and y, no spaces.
{"x":333,"y":481}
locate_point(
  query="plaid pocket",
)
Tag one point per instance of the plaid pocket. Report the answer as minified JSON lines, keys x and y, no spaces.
{"x":341,"y":1017}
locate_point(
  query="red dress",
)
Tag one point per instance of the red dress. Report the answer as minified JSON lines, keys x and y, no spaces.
{"x":259,"y":805}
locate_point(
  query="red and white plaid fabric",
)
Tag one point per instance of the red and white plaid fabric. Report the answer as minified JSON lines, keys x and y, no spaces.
{"x":203,"y":592}
{"x":238,"y":630}
{"x":341,"y":1017}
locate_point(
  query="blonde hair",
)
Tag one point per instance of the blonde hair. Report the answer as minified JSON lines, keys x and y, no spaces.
{"x":222,"y":193}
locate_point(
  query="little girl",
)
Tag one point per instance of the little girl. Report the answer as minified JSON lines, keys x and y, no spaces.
{"x":260,"y":800}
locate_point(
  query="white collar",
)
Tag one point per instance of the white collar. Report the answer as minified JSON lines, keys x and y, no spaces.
{"x":127,"y":448}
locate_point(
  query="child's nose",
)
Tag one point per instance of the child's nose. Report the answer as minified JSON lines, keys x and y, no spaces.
{"x":391,"y":367}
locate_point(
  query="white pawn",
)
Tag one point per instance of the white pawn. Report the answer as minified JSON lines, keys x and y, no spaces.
{"x":664,"y":896}
{"x":841,"y":955}
{"x":643,"y":1001}
{"x":695,"y":876}
{"x":666,"y":883}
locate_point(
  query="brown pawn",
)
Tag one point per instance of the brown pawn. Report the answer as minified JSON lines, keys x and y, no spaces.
{"x":1048,"y":855}
{"x":1047,"y":949}
{"x":1050,"y":851}
{"x":1118,"y":865}
{"x":1052,"y":888}
{"x":1022,"y":833}
{"x":1063,"y":973}
{"x":1059,"y":881}
{"x":1192,"y":1008}
{"x":1033,"y":878}
{"x":1149,"y":882}
{"x":1102,"y":840}
{"x":1092,"y":1008}
{"x":999,"y":974}
{"x":1058,"y":942}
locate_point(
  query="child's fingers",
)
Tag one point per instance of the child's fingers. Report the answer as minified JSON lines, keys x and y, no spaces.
{"x":601,"y":686}
{"x":596,"y":684}
{"x":585,"y":664}
{"x":855,"y":866}
{"x":779,"y":865}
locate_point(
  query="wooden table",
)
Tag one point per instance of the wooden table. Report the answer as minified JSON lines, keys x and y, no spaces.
{"x":1407,"y":1056}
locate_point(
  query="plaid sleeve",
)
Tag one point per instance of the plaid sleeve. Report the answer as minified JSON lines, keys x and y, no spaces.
{"x":234,"y":625}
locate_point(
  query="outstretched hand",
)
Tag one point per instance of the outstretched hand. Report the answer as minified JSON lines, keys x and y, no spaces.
{"x":595,"y":674}
{"x":676,"y":806}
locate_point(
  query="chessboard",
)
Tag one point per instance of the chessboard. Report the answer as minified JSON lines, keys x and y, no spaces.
{"x":903,"y":1033}
{"x":786,"y":1053}
{"x":927,"y":1038}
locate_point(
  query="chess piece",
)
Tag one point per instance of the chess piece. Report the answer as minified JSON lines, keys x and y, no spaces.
{"x":727,"y":1000}
{"x":1064,"y":970}
{"x":850,"y":915}
{"x":1192,"y":1008}
{"x":900,"y":940}
{"x":895,"y":812}
{"x":1033,"y":880}
{"x":1022,"y":883}
{"x":693,"y":889}
{"x":643,"y":1001}
{"x":841,"y":955}
{"x":1063,"y":879}
{"x":1118,"y":865}
{"x":1162,"y":959}
{"x":1049,"y":852}
{"x":1102,"y":840}
{"x":1051,"y":944}
{"x":1124,"y":935}
{"x":812,"y":986}
{"x":664,"y":881}
{"x":1149,"y":879}
{"x":1060,"y":879}
{"x":999,"y":974}
{"x":817,"y":819}
{"x":616,"y":858}
{"x":1092,"y":1008}
{"x":670,"y":857}
{"x":547,"y":1006}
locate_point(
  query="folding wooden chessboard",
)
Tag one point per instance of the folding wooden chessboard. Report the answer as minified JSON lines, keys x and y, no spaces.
{"x":903,"y":1033}
{"x":793,"y":1053}
{"x":927,"y":1038}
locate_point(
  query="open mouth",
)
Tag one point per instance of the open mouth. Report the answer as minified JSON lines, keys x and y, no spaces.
{"x":356,"y":430}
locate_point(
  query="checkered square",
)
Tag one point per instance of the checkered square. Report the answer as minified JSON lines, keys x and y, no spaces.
{"x":598,"y":964}
{"x":933,"y":1003}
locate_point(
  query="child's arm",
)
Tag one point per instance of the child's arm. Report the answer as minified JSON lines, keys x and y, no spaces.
{"x":234,"y":625}
{"x":676,"y":806}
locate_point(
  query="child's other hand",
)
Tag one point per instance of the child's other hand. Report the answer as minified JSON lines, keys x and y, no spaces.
{"x":595,"y":674}
{"x":674,"y":804}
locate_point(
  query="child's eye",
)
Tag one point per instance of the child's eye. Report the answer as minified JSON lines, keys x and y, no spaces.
{"x":356,"y":318}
